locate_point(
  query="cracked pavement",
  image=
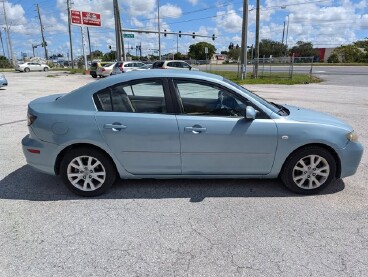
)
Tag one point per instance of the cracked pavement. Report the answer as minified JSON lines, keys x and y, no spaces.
{"x":180,"y":227}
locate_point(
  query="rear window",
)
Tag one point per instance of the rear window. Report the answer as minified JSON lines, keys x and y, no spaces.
{"x":157,"y":64}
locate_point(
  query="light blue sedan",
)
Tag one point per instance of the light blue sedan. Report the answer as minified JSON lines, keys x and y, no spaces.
{"x":175,"y":124}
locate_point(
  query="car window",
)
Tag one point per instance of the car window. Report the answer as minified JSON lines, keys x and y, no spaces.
{"x":185,"y":65}
{"x":157,"y":64}
{"x":142,"y":97}
{"x":205,"y":99}
{"x":172,"y":64}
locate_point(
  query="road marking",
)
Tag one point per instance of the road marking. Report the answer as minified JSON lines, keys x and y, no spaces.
{"x":320,"y":71}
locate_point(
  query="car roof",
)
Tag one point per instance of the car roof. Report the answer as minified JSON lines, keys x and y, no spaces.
{"x":93,"y":87}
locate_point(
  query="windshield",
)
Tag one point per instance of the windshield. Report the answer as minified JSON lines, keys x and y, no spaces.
{"x":273,"y":107}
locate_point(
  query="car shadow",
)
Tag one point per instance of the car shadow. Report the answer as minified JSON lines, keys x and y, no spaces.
{"x":27,"y":184}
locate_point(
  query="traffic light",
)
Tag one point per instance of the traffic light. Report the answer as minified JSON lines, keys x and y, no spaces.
{"x":180,"y":34}
{"x":45,"y":43}
{"x":110,"y":47}
{"x":165,"y":33}
{"x":193,"y":35}
{"x":213,"y":37}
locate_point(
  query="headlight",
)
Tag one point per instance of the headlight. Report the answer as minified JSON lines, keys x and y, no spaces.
{"x":352,"y":136}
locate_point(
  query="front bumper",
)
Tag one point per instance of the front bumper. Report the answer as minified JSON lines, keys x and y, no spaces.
{"x":350,"y":157}
{"x":43,"y":161}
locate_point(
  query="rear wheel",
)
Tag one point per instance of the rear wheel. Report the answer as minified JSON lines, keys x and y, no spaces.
{"x":309,"y":170}
{"x":94,"y":75}
{"x":27,"y":69}
{"x":87,"y":172}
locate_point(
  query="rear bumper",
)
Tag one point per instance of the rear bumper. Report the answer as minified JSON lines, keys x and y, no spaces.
{"x":43,"y":161}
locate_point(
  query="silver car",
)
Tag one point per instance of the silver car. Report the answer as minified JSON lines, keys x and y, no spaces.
{"x":122,"y":67}
{"x":31,"y":66}
{"x":183,"y":124}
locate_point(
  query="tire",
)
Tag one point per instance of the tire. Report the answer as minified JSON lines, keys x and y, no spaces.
{"x":94,"y":75}
{"x":309,"y":170}
{"x":87,"y":172}
{"x":27,"y":69}
{"x":46,"y":69}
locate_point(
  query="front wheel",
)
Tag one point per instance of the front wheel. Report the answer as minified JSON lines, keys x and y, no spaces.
{"x":46,"y":69}
{"x":87,"y":172}
{"x":309,"y":170}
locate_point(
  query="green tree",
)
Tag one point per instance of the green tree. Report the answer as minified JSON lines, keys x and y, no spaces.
{"x":269,"y":47}
{"x":362,"y":44}
{"x":197,"y":51}
{"x":97,"y":54}
{"x":4,"y":62}
{"x":334,"y":58}
{"x":304,"y":49}
{"x":234,"y":53}
{"x":349,"y":54}
{"x":110,"y":56}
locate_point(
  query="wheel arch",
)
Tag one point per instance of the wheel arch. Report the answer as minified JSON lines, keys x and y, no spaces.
{"x":62,"y":153}
{"x":324,"y":146}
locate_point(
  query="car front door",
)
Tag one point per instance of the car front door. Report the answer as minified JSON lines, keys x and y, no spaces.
{"x":135,"y":122}
{"x":215,"y":136}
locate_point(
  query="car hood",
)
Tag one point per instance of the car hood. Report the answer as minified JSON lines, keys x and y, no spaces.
{"x":310,"y":116}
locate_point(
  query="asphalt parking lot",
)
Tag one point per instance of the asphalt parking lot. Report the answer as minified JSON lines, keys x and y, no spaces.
{"x":180,"y":227}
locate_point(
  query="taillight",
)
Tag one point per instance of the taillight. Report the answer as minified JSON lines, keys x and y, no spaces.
{"x":30,"y":119}
{"x":103,"y":69}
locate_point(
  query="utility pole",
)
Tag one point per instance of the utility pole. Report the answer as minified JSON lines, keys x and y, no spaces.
{"x":89,"y":45}
{"x":257,"y":40}
{"x":83,"y":52}
{"x":70,"y":33}
{"x":120,"y":51}
{"x":2,"y":44}
{"x":43,"y":37}
{"x":8,"y":32}
{"x":243,"y":55}
{"x":159,"y":31}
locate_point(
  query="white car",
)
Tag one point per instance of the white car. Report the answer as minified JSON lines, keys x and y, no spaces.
{"x":31,"y":66}
{"x":122,"y":67}
{"x":172,"y":64}
{"x":105,"y":70}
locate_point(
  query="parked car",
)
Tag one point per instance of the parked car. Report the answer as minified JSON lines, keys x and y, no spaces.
{"x":172,"y":64}
{"x":105,"y":70}
{"x":145,"y":67}
{"x":182,"y":124}
{"x":3,"y":81}
{"x":31,"y":66}
{"x":94,"y":66}
{"x":121,"y":67}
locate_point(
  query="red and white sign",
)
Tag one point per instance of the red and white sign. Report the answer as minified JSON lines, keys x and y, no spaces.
{"x":89,"y":19}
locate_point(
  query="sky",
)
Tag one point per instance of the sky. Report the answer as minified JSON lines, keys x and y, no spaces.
{"x":325,"y":23}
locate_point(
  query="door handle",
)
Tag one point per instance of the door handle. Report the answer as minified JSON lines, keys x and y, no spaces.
{"x":196,"y":129}
{"x":116,"y":126}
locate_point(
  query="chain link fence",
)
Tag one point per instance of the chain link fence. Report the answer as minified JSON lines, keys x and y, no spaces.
{"x":281,"y":67}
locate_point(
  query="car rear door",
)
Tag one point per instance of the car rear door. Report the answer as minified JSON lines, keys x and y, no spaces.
{"x":135,"y":121}
{"x":215,"y":137}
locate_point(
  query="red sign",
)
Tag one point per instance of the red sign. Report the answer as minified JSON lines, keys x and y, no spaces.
{"x":75,"y":17}
{"x":89,"y":19}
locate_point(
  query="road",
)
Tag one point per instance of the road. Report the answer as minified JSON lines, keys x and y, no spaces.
{"x":332,"y":75}
{"x":179,"y":227}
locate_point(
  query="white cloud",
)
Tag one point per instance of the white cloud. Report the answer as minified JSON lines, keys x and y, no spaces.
{"x":193,"y":2}
{"x":170,"y":11}
{"x":230,"y":21}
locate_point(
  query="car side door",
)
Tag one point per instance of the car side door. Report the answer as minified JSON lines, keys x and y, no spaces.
{"x":136,"y":122}
{"x":215,"y":136}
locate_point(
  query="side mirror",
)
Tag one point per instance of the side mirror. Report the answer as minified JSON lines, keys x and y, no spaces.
{"x":250,"y":113}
